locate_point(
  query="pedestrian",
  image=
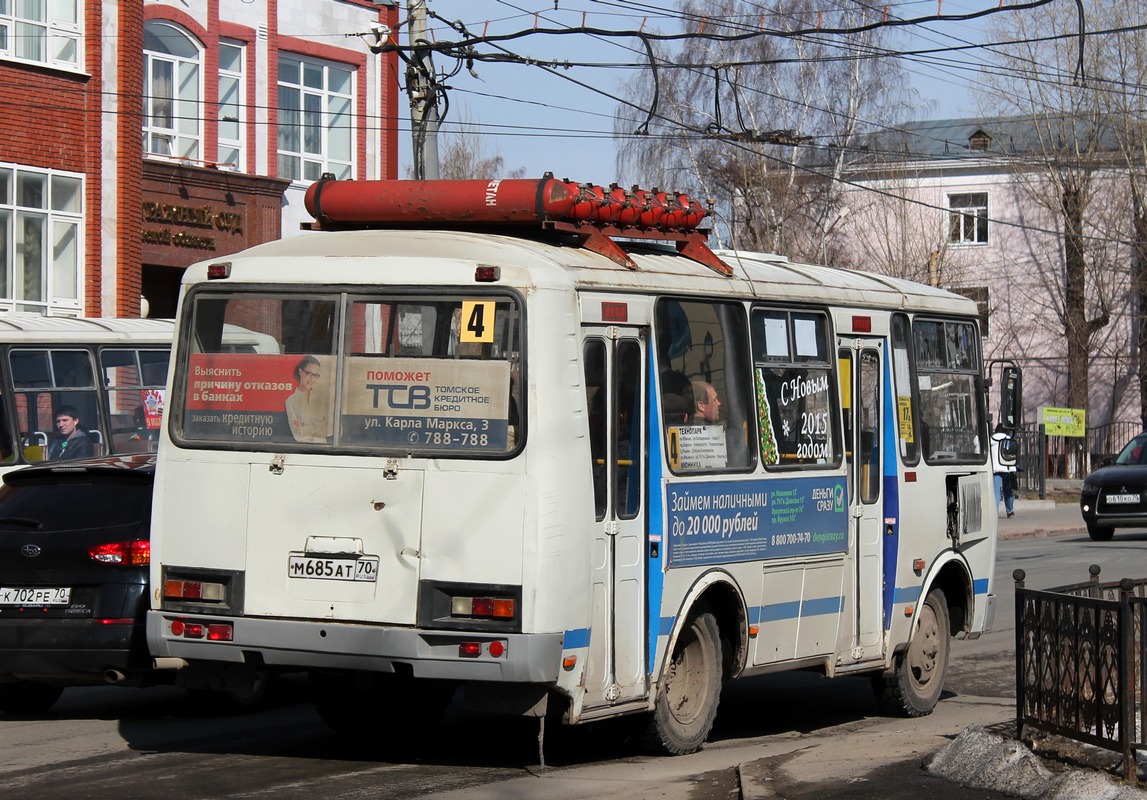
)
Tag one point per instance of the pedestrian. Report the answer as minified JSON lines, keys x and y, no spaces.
{"x":1004,"y":467}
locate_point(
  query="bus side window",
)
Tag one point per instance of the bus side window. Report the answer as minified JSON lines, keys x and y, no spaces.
{"x":596,"y":402}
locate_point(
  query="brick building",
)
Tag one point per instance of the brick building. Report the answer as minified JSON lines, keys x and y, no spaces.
{"x":140,"y":137}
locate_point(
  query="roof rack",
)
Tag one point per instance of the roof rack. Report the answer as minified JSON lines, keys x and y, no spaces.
{"x":595,"y":214}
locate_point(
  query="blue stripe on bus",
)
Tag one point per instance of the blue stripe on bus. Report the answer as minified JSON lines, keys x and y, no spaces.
{"x":906,"y":594}
{"x":891,"y":490}
{"x":776,"y":612}
{"x":779,"y":611}
{"x":572,"y":640}
{"x":655,"y":519}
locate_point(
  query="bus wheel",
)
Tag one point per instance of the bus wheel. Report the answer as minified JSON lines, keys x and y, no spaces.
{"x":28,"y":697}
{"x":687,"y":700}
{"x":1099,"y":533}
{"x":914,"y":686}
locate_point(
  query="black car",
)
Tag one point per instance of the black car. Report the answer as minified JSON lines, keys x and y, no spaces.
{"x":74,"y":560}
{"x":1115,"y":495}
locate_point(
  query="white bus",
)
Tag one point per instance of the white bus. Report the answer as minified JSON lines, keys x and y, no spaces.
{"x":566,"y":475}
{"x":111,"y":372}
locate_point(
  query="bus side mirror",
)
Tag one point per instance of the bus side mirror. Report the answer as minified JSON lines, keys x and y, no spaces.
{"x":1011,"y":398}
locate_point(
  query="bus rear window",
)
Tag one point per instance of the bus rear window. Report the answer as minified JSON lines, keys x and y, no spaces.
{"x":434,"y":374}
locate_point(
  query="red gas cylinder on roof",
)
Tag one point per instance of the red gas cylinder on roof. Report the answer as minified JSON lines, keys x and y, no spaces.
{"x":511,"y":201}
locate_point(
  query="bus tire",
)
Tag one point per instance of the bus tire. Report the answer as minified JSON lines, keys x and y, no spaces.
{"x":1099,"y":533}
{"x":28,"y":697}
{"x":690,"y":690}
{"x":913,"y":688}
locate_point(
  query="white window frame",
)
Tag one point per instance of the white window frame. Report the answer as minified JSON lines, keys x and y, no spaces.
{"x":332,"y":116}
{"x":238,"y":109}
{"x":968,"y":222}
{"x":54,"y":27}
{"x":184,"y":133}
{"x":60,"y":212}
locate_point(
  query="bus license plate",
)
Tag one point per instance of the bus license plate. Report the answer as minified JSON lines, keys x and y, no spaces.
{"x":362,"y":568}
{"x":35,"y":596}
{"x":1122,"y":498}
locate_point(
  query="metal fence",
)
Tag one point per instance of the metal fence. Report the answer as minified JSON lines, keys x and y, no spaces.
{"x":1042,"y":457}
{"x":1079,"y":666}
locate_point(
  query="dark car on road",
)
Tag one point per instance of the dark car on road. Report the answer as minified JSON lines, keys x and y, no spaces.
{"x":1115,"y":495}
{"x":74,"y":559}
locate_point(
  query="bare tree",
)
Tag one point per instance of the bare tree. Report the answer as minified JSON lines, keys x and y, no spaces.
{"x":1121,"y":62}
{"x":1062,"y":168}
{"x":463,"y":154}
{"x":731,"y":114}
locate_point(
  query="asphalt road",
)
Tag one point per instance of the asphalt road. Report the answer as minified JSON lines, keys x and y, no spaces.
{"x":794,"y":735}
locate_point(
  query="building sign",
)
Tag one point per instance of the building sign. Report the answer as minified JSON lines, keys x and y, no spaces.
{"x":1063,"y":421}
{"x":205,"y":221}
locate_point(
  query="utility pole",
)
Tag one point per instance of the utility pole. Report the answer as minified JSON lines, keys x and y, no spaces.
{"x":423,"y":96}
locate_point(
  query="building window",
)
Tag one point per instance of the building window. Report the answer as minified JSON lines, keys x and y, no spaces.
{"x":41,"y":31}
{"x":232,"y":102}
{"x":172,"y":117}
{"x":968,"y":218}
{"x":40,"y":239}
{"x":316,"y":121}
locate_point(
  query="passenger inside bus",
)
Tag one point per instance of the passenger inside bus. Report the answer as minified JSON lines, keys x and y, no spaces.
{"x":71,"y":441}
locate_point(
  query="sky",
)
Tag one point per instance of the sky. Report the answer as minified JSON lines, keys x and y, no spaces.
{"x":540,"y":119}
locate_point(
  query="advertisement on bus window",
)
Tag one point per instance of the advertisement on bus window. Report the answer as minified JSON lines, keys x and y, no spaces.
{"x":720,"y":523}
{"x":386,"y":402}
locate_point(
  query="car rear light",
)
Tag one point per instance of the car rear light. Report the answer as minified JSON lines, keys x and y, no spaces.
{"x":483,"y":607}
{"x":133,"y":553}
{"x":201,"y":591}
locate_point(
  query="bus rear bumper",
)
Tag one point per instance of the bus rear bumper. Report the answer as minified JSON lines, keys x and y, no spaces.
{"x":296,"y":644}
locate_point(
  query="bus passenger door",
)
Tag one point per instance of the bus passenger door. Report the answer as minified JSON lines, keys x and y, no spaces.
{"x":615,"y":392}
{"x":862,"y":381}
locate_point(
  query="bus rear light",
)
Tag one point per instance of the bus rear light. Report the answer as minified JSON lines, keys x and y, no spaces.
{"x":134,"y":553}
{"x":220,"y":632}
{"x":194,"y":590}
{"x":187,"y":630}
{"x":861,"y":324}
{"x":497,"y":649}
{"x":220,"y":270}
{"x":487,"y":274}
{"x":470,"y":649}
{"x":483,"y":607}
{"x":212,"y":631}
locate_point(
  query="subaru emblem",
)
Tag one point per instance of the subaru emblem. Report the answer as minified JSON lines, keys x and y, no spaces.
{"x":30,"y":550}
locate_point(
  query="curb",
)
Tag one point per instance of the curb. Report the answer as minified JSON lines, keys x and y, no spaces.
{"x":1042,"y":533}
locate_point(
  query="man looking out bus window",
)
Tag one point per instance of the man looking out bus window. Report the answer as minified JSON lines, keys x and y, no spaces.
{"x":706,"y":406}
{"x":71,"y":441}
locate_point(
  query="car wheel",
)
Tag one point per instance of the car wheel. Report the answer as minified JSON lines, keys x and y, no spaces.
{"x":28,"y":697}
{"x":1099,"y":533}
{"x":690,"y":690}
{"x":914,"y":686}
